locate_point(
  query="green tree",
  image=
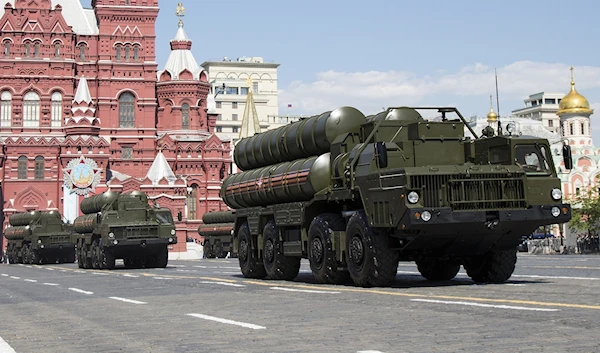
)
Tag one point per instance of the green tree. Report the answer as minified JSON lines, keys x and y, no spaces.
{"x":586,"y":213}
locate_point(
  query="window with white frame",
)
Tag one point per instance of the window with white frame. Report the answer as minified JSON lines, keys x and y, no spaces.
{"x":185,"y":116}
{"x":56,"y":109}
{"x":5,"y":109}
{"x":31,"y":110}
{"x":127,"y":110}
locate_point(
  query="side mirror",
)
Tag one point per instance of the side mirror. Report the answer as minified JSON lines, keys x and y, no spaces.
{"x":381,"y":153}
{"x":179,"y":216}
{"x":567,"y":157}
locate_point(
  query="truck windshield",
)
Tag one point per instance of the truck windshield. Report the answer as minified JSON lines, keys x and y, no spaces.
{"x":164,"y":217}
{"x":532,"y":158}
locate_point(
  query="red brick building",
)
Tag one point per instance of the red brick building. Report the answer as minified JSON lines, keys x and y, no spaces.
{"x":83,"y":85}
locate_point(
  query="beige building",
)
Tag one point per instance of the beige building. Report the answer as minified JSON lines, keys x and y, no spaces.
{"x":230,"y":83}
{"x":542,"y":106}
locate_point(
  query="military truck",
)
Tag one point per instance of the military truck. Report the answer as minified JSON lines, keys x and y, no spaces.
{"x":216,"y":230}
{"x":355,"y":195}
{"x":123,"y":226}
{"x":39,"y":237}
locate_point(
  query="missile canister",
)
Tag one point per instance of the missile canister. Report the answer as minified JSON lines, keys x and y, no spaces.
{"x":17,"y":232}
{"x":207,"y":230}
{"x":294,"y":181}
{"x":86,"y":223}
{"x":94,"y":204}
{"x":218,"y":217}
{"x":23,"y":219}
{"x":305,"y":138}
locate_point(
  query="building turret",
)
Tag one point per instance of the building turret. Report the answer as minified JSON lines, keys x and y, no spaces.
{"x":83,"y":120}
{"x":574,"y":112}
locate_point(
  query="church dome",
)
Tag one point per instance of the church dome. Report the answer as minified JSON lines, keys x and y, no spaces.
{"x":492,"y":116}
{"x":574,"y":103}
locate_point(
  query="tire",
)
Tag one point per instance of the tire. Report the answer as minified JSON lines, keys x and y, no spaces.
{"x":208,"y":250}
{"x":496,"y":266}
{"x":107,"y":259}
{"x":80,"y":259}
{"x":371,"y":263}
{"x":250,"y":264}
{"x":277,"y":265}
{"x":35,"y":258}
{"x":219,"y":249}
{"x":321,"y":255}
{"x":438,"y":270}
{"x":162,"y":258}
{"x":96,"y":261}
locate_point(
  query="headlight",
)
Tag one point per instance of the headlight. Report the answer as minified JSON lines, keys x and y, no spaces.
{"x":426,"y":216}
{"x":170,"y":240}
{"x":115,"y":242}
{"x":413,"y":197}
{"x":172,"y":231}
{"x":556,"y":194}
{"x":111,"y":235}
{"x":39,"y":241}
{"x":555,"y":211}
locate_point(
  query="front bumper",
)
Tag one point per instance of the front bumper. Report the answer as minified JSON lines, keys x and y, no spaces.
{"x":446,"y":221}
{"x":108,"y":242}
{"x":53,"y":247}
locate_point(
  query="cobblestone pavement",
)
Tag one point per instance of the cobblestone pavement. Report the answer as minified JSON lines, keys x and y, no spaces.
{"x":551,"y":304}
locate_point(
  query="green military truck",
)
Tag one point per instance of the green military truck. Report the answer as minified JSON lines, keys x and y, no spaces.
{"x":39,"y":237}
{"x":217,"y":232}
{"x":355,"y":195}
{"x":123,"y":226}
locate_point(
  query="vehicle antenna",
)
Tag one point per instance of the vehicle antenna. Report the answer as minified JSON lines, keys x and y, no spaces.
{"x":498,"y":105}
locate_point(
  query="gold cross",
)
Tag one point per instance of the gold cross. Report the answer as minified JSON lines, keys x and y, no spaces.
{"x":249,"y":81}
{"x":572,"y":79}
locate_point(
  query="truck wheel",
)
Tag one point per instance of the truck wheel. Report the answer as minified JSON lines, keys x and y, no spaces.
{"x":250,"y":264}
{"x":108,"y":259}
{"x":277,"y":265}
{"x":35,"y":257}
{"x":96,"y":261}
{"x":219,"y":250}
{"x":321,"y":255}
{"x":370,"y":261}
{"x":162,"y":258}
{"x":496,"y":266}
{"x":80,"y":258}
{"x":26,"y":255}
{"x":437,"y":270}
{"x":208,"y":252}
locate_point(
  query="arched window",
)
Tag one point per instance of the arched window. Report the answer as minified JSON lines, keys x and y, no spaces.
{"x":36,"y":49}
{"x":39,"y":168}
{"x":57,"y":50}
{"x":7,"y":48}
{"x":82,"y":52}
{"x":191,"y":201}
{"x":118,"y":56}
{"x":5,"y":109}
{"x":583,"y":128}
{"x":127,"y":49}
{"x":57,"y":102}
{"x":27,"y":49}
{"x":185,"y":116}
{"x":126,"y":110}
{"x":22,"y":167}
{"x":31,"y":110}
{"x":571,"y":129}
{"x":136,"y":53}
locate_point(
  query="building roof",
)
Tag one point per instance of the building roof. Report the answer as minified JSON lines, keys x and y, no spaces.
{"x":181,"y":58}
{"x":83,"y":92}
{"x":160,"y":169}
{"x":250,"y":123}
{"x":83,"y":21}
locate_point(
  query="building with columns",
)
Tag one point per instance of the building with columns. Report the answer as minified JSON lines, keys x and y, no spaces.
{"x":82,"y":86}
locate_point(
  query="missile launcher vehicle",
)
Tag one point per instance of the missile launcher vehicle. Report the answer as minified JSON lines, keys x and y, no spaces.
{"x":39,"y":237}
{"x":216,"y":230}
{"x":355,"y":195}
{"x":123,"y":226}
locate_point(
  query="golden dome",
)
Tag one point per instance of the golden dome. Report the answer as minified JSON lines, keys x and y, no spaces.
{"x":492,"y":116}
{"x":573,"y":102}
